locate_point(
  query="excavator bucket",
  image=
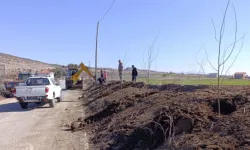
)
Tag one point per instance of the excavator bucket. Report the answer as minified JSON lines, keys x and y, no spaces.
{"x":75,"y":77}
{"x":83,"y":67}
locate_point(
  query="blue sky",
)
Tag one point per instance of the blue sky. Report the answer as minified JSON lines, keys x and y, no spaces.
{"x":63,"y":31}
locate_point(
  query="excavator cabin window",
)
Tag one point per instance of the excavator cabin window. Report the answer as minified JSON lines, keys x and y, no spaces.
{"x":23,"y":76}
{"x":72,"y":72}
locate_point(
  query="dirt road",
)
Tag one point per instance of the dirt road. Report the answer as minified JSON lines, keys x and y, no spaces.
{"x":41,"y":127}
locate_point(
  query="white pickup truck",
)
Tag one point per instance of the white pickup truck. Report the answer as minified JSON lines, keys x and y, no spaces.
{"x":38,"y":89}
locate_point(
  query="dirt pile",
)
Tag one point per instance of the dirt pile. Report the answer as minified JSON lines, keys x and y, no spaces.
{"x":166,"y":117}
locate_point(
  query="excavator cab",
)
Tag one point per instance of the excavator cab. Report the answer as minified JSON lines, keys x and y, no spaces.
{"x":68,"y":80}
{"x":23,"y":76}
{"x":71,"y":72}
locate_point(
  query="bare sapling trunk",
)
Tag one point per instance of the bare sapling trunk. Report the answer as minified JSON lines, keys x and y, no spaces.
{"x":150,"y":59}
{"x":218,"y":88}
{"x":125,"y":60}
{"x":223,"y":57}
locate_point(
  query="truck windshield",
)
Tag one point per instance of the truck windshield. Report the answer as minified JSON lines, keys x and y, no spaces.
{"x":37,"y":81}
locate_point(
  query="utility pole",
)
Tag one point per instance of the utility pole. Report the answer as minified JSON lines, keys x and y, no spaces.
{"x":96,"y":50}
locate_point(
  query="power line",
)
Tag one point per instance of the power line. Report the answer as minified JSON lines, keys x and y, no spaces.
{"x":107,"y":10}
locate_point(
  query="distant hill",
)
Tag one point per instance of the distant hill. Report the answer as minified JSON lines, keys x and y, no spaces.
{"x":15,"y":64}
{"x":128,"y":69}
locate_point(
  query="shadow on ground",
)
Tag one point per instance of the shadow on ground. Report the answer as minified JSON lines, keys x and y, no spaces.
{"x":68,"y":101}
{"x":15,"y":107}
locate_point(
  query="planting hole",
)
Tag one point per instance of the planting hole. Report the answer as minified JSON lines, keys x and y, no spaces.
{"x":226,"y":107}
{"x":149,"y":137}
{"x":183,"y":125}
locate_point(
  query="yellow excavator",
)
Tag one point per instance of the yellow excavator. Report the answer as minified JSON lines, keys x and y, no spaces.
{"x":74,"y":79}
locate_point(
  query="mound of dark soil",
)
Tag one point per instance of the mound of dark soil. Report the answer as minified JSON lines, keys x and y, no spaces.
{"x":136,"y":116}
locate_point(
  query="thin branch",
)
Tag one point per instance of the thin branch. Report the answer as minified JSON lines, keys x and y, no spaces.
{"x":239,"y":39}
{"x":144,"y":64}
{"x":143,"y":60}
{"x":235,"y":36}
{"x":209,"y":60}
{"x":152,"y":45}
{"x":125,"y":59}
{"x":215,"y":33}
{"x":220,"y":40}
{"x":242,"y":43}
{"x":156,"y":56}
{"x":224,"y":54}
{"x":201,"y":67}
{"x":223,"y":21}
{"x":223,"y":28}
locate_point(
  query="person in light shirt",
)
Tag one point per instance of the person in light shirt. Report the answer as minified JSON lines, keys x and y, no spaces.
{"x":120,"y":70}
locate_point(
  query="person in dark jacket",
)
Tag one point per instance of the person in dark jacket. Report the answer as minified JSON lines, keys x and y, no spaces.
{"x":101,"y":74}
{"x":134,"y":73}
{"x":101,"y":78}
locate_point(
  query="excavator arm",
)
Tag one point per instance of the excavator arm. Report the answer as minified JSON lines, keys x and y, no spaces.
{"x":75,"y":77}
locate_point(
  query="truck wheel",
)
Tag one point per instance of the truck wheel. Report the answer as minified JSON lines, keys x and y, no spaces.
{"x":52,"y":102}
{"x":24,"y":105}
{"x":59,"y":99}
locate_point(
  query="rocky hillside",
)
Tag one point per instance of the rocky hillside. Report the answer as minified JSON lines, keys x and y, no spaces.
{"x":14,"y":64}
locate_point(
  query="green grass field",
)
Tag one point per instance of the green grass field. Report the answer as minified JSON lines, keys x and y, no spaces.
{"x":197,"y":81}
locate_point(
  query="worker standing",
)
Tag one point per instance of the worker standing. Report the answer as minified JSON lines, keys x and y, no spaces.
{"x":101,"y":78}
{"x":134,"y":73}
{"x":120,"y":70}
{"x":105,"y":75}
{"x":101,"y":74}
